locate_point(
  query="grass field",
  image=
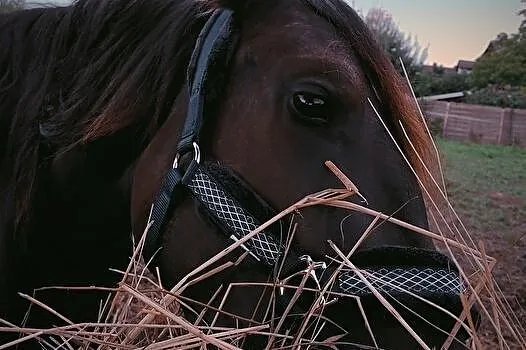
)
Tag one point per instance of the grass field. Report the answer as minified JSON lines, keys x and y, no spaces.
{"x":487,"y":187}
{"x":488,"y":184}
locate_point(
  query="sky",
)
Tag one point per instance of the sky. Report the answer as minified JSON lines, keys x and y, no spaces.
{"x":453,"y":29}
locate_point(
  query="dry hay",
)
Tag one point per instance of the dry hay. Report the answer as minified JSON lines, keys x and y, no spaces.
{"x":139,"y":312}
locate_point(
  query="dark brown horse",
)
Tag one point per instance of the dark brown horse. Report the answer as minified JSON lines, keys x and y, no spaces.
{"x":93,"y":99}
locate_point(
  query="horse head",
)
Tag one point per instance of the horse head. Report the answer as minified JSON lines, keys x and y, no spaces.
{"x":274,"y":90}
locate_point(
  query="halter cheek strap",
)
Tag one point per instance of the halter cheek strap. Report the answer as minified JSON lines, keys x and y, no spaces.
{"x":213,"y":47}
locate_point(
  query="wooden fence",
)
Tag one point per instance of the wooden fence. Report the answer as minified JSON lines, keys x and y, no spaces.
{"x":476,"y":123}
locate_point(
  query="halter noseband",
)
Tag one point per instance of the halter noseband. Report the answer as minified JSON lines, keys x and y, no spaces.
{"x":214,"y":48}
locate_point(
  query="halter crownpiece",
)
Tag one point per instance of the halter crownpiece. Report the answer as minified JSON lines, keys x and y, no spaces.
{"x":427,"y":273}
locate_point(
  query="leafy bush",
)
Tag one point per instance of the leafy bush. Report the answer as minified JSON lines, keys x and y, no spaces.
{"x":434,"y":84}
{"x":505,"y":66}
{"x":509,"y":98}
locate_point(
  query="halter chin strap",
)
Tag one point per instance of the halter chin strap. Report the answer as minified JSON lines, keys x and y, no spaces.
{"x":214,"y":47}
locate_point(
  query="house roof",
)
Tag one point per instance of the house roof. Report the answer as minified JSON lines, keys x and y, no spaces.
{"x":428,"y":68}
{"x":463,"y":64}
{"x":449,"y":70}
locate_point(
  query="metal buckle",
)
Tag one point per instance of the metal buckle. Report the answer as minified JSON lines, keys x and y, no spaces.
{"x":310,"y":271}
{"x":197,"y":156}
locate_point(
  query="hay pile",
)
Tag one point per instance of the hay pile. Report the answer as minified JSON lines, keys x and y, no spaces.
{"x":141,"y":312}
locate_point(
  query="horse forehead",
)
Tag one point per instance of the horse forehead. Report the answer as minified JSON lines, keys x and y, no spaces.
{"x":297,"y":30}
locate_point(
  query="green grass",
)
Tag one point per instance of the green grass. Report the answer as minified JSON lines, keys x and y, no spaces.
{"x":486,"y":184}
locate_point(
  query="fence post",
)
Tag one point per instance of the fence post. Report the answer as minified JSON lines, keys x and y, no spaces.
{"x":511,"y":139}
{"x":501,"y":127}
{"x":506,"y":127}
{"x":444,"y":124}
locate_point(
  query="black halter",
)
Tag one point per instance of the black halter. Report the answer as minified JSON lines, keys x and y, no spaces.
{"x":214,"y":48}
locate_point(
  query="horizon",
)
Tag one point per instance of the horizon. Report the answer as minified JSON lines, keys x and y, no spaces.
{"x":471,"y":28}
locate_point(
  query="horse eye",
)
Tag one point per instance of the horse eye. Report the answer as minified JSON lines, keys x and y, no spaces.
{"x":310,"y":107}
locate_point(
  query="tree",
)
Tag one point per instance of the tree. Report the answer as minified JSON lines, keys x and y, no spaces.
{"x":397,"y":44}
{"x":522,"y":28}
{"x":11,"y":5}
{"x":438,"y":70}
{"x":506,"y":67}
{"x":505,"y":64}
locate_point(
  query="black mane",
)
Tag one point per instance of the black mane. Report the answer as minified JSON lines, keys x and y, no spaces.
{"x":70,"y":76}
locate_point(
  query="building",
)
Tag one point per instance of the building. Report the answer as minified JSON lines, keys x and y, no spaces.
{"x":436,"y":69}
{"x":464,"y":66}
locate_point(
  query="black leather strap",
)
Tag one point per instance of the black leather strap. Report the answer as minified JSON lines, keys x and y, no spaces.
{"x":160,"y":208}
{"x":213,"y":47}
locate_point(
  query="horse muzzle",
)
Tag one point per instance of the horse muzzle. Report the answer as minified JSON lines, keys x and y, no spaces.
{"x":397,"y":298}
